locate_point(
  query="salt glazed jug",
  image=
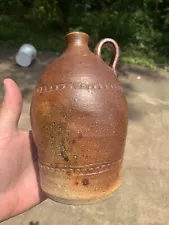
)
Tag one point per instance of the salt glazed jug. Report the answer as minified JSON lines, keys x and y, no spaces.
{"x":79,"y":120}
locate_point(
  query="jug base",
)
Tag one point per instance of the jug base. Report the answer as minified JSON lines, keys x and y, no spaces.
{"x":86,"y":201}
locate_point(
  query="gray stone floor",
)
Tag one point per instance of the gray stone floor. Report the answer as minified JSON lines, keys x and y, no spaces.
{"x":143,"y":198}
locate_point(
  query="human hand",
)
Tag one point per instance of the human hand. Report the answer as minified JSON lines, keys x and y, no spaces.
{"x":19,"y":179}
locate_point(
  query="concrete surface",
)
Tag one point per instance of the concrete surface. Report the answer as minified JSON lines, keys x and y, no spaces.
{"x":143,"y":198}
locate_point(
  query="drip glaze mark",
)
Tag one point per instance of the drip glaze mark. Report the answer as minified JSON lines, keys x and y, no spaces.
{"x":77,"y":86}
{"x":63,"y":153}
{"x":73,"y":141}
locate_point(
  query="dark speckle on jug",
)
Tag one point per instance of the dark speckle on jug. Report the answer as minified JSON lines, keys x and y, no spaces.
{"x":85,"y":182}
{"x":63,"y":154}
{"x":68,"y":173}
{"x":66,"y":158}
{"x":76,"y":183}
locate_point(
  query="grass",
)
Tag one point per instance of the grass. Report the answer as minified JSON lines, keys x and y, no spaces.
{"x":14,"y":33}
{"x":151,"y":60}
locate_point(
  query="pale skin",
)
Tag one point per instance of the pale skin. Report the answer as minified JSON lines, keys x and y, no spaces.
{"x":19,"y":178}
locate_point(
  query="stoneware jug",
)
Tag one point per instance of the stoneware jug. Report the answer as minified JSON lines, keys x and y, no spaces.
{"x":79,"y":122}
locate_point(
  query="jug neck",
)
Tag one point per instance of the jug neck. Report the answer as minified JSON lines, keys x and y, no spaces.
{"x":77,"y":40}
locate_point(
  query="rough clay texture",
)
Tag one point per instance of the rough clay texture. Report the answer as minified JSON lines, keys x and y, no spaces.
{"x":143,"y":197}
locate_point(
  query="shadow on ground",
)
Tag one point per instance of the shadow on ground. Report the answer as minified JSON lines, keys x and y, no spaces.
{"x":26,"y":78}
{"x":125,"y":69}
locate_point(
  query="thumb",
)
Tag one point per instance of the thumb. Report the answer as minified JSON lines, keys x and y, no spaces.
{"x":11,"y":106}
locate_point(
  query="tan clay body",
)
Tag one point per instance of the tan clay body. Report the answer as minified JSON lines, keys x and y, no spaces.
{"x":79,"y":122}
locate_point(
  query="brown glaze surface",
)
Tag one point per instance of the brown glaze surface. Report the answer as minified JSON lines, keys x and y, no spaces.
{"x":79,"y":122}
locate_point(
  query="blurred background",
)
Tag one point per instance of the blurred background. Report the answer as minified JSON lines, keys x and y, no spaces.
{"x":140,"y":27}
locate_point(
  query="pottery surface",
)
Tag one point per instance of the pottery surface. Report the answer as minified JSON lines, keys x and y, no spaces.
{"x":79,"y":120}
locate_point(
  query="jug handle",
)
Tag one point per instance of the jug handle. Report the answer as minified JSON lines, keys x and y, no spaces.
{"x":111,"y":45}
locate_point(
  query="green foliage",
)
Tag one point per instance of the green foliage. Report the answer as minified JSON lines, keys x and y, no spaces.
{"x":14,"y":33}
{"x":137,"y":26}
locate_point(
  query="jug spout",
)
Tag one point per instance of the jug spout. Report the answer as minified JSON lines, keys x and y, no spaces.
{"x":79,"y":39}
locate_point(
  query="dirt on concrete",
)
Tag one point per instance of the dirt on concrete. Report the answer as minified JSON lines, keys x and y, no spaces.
{"x":143,"y":198}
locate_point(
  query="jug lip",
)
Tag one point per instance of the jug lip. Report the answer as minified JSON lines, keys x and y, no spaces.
{"x":77,"y":32}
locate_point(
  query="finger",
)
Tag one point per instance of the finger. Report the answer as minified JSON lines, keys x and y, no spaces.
{"x":11,"y":106}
